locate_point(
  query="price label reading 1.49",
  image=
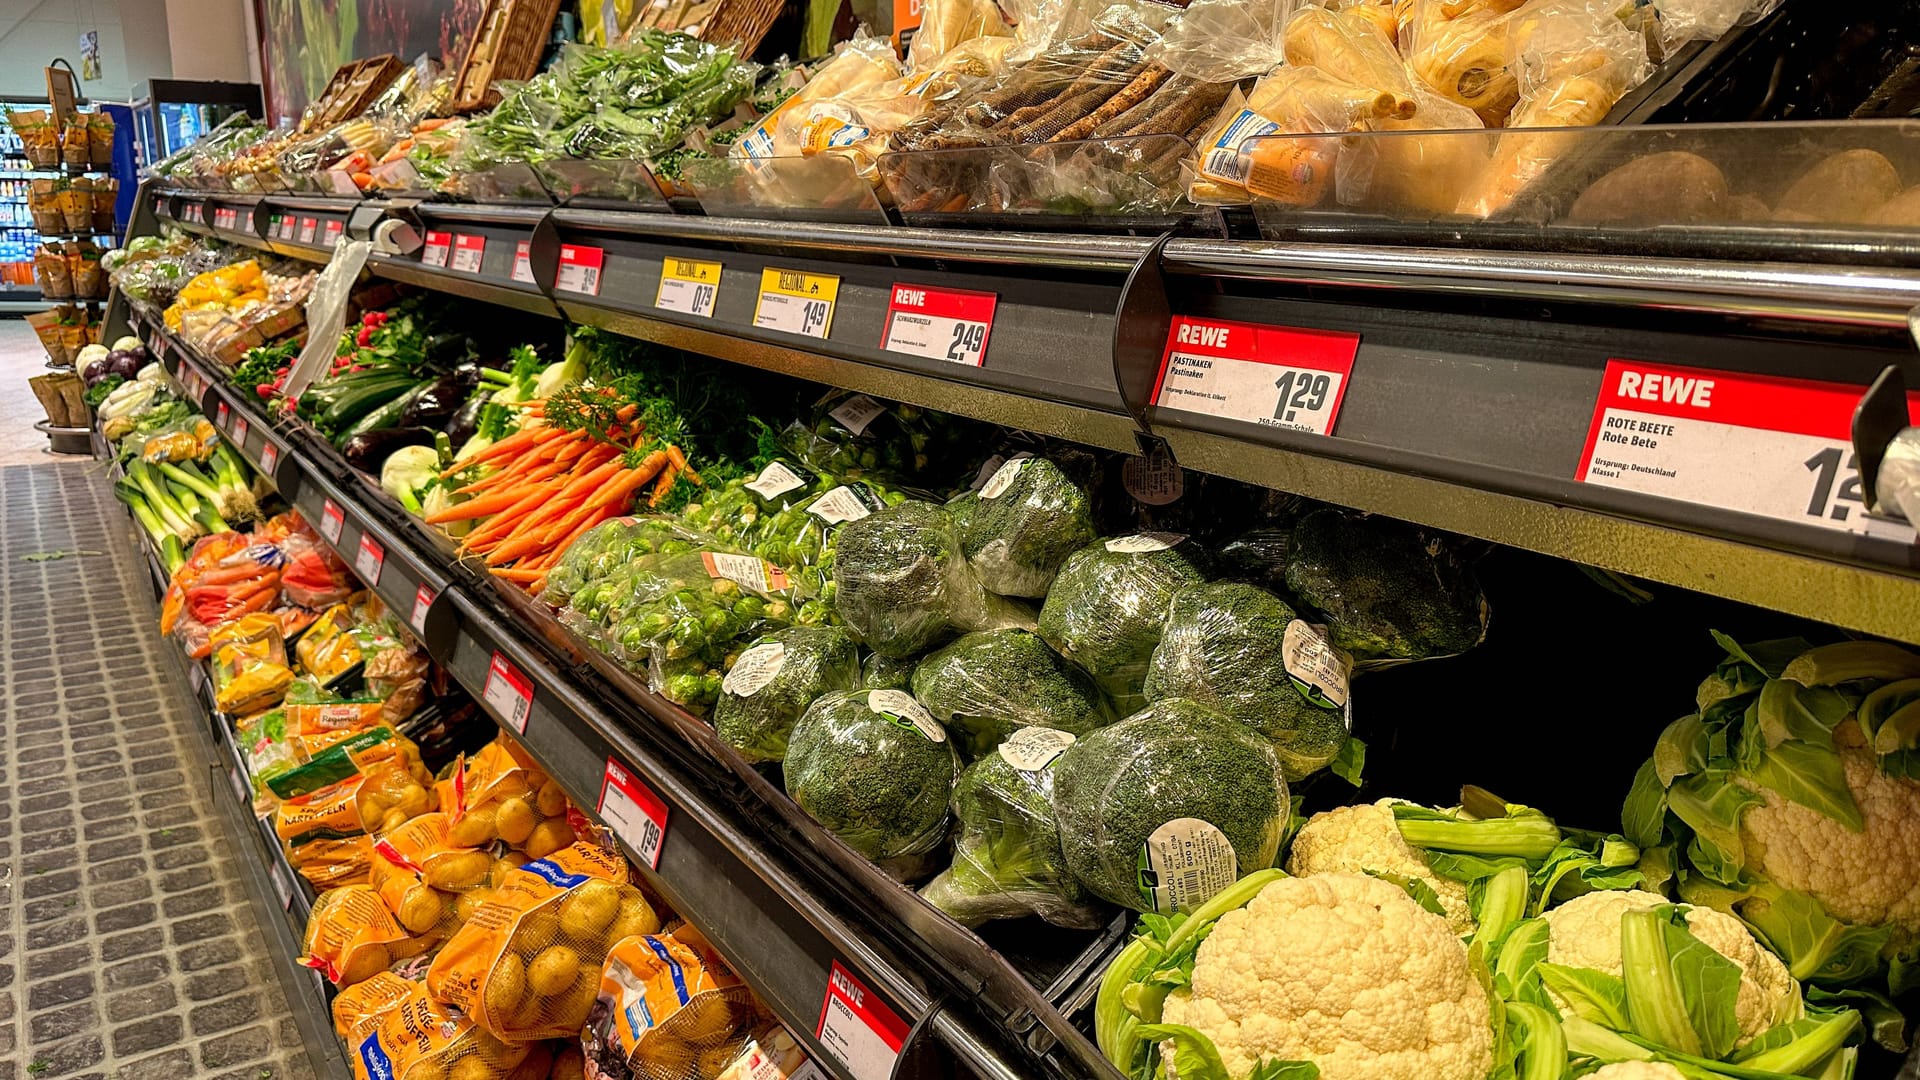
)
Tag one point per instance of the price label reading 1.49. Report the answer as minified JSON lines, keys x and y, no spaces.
{"x":436,"y":249}
{"x":468,"y":253}
{"x":634,"y":813}
{"x":1776,"y":447}
{"x":508,"y":693}
{"x":796,"y":302}
{"x":1274,"y":376}
{"x":580,"y":269}
{"x":688,"y":286}
{"x":939,"y":324}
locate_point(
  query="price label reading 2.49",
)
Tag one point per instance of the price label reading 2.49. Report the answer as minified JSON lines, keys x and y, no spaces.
{"x":1754,"y":443}
{"x":796,"y":302}
{"x":580,"y":269}
{"x":1274,"y":376}
{"x":939,"y":324}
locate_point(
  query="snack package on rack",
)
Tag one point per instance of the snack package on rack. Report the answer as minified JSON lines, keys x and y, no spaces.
{"x":770,"y":1053}
{"x":249,"y":664}
{"x":397,"y":672}
{"x":285,"y":764}
{"x":331,"y":644}
{"x":352,"y":937}
{"x":395,"y":1030}
{"x":500,"y":794}
{"x":528,"y":964}
{"x":668,"y":1007}
{"x":327,"y":832}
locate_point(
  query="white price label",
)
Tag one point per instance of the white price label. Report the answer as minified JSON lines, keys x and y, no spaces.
{"x":269,"y":459}
{"x":159,"y":346}
{"x":746,"y":571}
{"x":796,"y":302}
{"x":222,"y":416}
{"x":435,"y":252}
{"x":580,"y":269}
{"x":334,"y":229}
{"x":688,"y":286}
{"x":522,"y":263}
{"x":508,"y":693}
{"x":856,"y":413}
{"x":422,"y":603}
{"x":634,"y":813}
{"x":240,"y":431}
{"x":859,"y":1029}
{"x":282,"y":883}
{"x":369,"y":560}
{"x":468,"y":253}
{"x":775,"y":480}
{"x":331,"y":519}
{"x":224,"y":217}
{"x":1777,"y":447}
{"x":939,"y":324}
{"x":1273,"y":376}
{"x":286,"y":226}
{"x":308,"y":226}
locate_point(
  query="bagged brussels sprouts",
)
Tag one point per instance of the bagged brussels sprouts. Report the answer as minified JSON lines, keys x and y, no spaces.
{"x":984,"y":685}
{"x":1028,"y":518}
{"x":1108,"y":603}
{"x":1386,"y":590}
{"x":800,"y":537}
{"x":1007,"y":857}
{"x":902,"y":584}
{"x":875,"y":769}
{"x":1166,"y":808}
{"x":886,"y":673}
{"x":855,"y":437}
{"x":1241,"y":651}
{"x":774,"y":681}
{"x":612,"y":544}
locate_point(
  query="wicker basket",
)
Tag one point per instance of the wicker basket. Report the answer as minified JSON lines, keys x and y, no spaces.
{"x":740,"y":22}
{"x":508,"y":45}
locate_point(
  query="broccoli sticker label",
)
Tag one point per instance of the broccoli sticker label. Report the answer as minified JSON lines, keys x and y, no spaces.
{"x":900,"y":710}
{"x":1318,"y":669}
{"x":774,"y":480}
{"x":1183,"y":864}
{"x":1033,"y":748}
{"x":755,"y":669}
{"x":1003,"y":478}
{"x":1144,"y":543}
{"x":841,"y":505}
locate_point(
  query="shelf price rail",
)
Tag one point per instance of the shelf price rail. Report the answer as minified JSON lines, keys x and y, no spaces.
{"x":835,"y":979}
{"x":1474,"y":391}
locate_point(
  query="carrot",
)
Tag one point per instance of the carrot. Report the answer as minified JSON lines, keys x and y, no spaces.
{"x":494,"y":502}
{"x":515,"y":574}
{"x":650,"y":466}
{"x":535,"y":469}
{"x":530,"y":436}
{"x":502,"y":525}
{"x":570,"y":498}
{"x":679,"y":459}
{"x":662,"y":485}
{"x":432,"y":125}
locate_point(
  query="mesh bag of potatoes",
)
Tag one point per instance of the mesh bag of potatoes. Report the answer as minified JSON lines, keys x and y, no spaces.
{"x":328,"y":832}
{"x":352,"y":936}
{"x":394,"y":1030}
{"x":431,"y":886}
{"x":527,"y":964}
{"x":500,"y":794}
{"x":669,"y":1008}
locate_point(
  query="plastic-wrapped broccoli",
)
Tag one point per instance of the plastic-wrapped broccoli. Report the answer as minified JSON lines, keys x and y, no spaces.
{"x":1029,"y":517}
{"x":900,"y":581}
{"x":985,"y":685}
{"x":855,"y":437}
{"x":1108,"y":603}
{"x":1168,"y":807}
{"x":1227,"y":646}
{"x":1007,"y":859}
{"x":775,"y":680}
{"x":1386,"y":591}
{"x":800,"y":537}
{"x":874,"y":768}
{"x":886,"y":673}
{"x":1257,"y":557}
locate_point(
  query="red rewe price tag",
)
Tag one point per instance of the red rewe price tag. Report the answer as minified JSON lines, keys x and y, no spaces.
{"x":634,"y":813}
{"x":307,"y":228}
{"x":438,"y":245}
{"x":240,"y":431}
{"x":1274,"y":376}
{"x":334,"y":229}
{"x":422,"y":603}
{"x":330,"y":521}
{"x":468,"y":253}
{"x":369,"y":560}
{"x":269,"y":459}
{"x":1760,"y":444}
{"x":939,"y":324}
{"x":580,"y":269}
{"x":222,"y":416}
{"x":859,"y":1029}
{"x":522,"y":264}
{"x":508,"y":693}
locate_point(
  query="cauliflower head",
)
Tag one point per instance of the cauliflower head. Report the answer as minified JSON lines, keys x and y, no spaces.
{"x":1870,"y":877}
{"x":1637,"y":1070}
{"x":1360,"y":838}
{"x":1345,"y":971}
{"x":1585,"y":932}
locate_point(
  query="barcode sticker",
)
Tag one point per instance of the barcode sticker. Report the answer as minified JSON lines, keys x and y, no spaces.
{"x":422,"y":603}
{"x":634,"y":813}
{"x":522,"y":263}
{"x":746,"y":571}
{"x":580,"y":269}
{"x":308,"y":226}
{"x":369,"y":560}
{"x":468,"y":253}
{"x":331,"y":519}
{"x":508,"y":693}
{"x":438,"y":245}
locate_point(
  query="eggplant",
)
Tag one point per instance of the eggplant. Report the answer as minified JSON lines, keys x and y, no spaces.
{"x":369,"y":450}
{"x":436,"y":405}
{"x":466,"y":423}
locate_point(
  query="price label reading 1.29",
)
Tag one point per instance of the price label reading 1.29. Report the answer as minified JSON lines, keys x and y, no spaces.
{"x":940,"y":324}
{"x":796,"y":302}
{"x":508,"y":693}
{"x":436,"y":249}
{"x":688,"y":286}
{"x":1274,"y":376}
{"x":1776,"y":447}
{"x":634,"y":813}
{"x":580,"y":269}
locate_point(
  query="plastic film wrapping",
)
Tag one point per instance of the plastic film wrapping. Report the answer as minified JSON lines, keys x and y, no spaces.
{"x":876,"y":770}
{"x":984,"y":686}
{"x":773,"y":682}
{"x":1108,"y":604}
{"x":1030,"y":516}
{"x":902,"y":583}
{"x":1386,"y":590}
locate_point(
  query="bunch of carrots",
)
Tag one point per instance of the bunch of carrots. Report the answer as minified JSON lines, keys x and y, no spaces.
{"x":550,"y":485}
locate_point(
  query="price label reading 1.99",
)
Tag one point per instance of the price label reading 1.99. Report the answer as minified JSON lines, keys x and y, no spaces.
{"x":1273,"y":376}
{"x":1776,"y":447}
{"x":796,"y":302}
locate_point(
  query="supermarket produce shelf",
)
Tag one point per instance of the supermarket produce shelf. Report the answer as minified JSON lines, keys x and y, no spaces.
{"x":1469,"y":396}
{"x":801,"y":934}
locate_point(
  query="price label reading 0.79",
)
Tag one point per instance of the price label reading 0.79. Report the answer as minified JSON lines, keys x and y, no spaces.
{"x":1759,"y":444}
{"x":939,"y":324}
{"x":1274,"y":376}
{"x":688,"y":286}
{"x":796,"y":302}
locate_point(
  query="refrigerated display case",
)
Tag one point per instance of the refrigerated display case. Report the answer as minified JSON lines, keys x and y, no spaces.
{"x":172,"y":113}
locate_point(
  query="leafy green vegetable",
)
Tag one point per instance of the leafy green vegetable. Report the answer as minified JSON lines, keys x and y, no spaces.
{"x":860,"y":765}
{"x":1385,"y":590}
{"x":879,"y":672}
{"x":1680,"y":992}
{"x":774,"y":681}
{"x":1108,"y":605}
{"x":900,"y":582}
{"x":985,"y":685}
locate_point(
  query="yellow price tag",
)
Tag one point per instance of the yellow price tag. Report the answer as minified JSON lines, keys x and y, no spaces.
{"x":796,"y":302}
{"x":688,"y":286}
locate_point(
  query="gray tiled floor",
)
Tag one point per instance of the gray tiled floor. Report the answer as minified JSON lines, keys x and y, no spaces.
{"x":127,"y":948}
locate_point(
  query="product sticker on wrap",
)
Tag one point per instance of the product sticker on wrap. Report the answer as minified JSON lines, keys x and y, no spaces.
{"x":755,"y":669}
{"x":856,"y":413}
{"x":1318,"y":669}
{"x":901,"y":710}
{"x":1222,"y":160}
{"x":1144,"y":543}
{"x":1033,"y":748}
{"x":1183,"y":864}
{"x":746,"y":571}
{"x":775,"y":480}
{"x":843,"y":504}
{"x":1004,"y":477}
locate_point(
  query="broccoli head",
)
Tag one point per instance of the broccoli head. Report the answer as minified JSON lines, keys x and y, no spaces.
{"x":1028,"y":518}
{"x":1222,"y":649}
{"x":886,"y":673}
{"x":875,"y":769}
{"x":1007,"y":860}
{"x":901,"y":584}
{"x":983,"y":686}
{"x":1385,"y":590}
{"x":775,"y":680}
{"x":1107,"y":605}
{"x":1163,"y":809}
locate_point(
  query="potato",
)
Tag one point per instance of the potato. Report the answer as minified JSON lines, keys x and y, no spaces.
{"x":569,"y":1008}
{"x":515,"y":820}
{"x":421,"y":909}
{"x":454,"y":871}
{"x":636,"y":917}
{"x":537,"y":930}
{"x":587,"y":911}
{"x":551,"y":801}
{"x":395,"y":818}
{"x":416,"y":800}
{"x":501,"y":1055}
{"x":475,"y":829}
{"x":470,"y":1067}
{"x":429,"y":1068}
{"x":553,"y":970}
{"x":1845,"y":187}
{"x":569,"y":1064}
{"x":364,"y":963}
{"x":538,"y":1060}
{"x":548,"y":837}
{"x":1747,"y":208}
{"x":466,"y":903}
{"x":1658,"y":189}
{"x":1902,"y":209}
{"x":506,"y":989}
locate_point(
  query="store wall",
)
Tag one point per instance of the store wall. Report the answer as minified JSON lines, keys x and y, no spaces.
{"x":212,"y":39}
{"x":134,"y":43}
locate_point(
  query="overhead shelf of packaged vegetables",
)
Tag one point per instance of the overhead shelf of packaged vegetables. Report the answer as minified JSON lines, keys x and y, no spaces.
{"x":1462,"y":389}
{"x":801,"y":933}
